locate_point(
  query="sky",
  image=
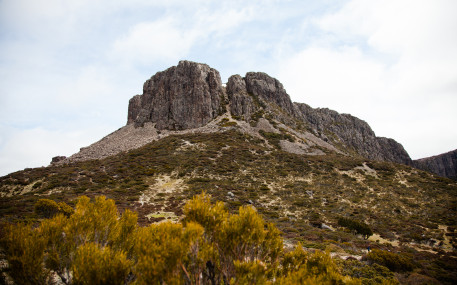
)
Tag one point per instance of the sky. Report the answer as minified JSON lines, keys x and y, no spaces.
{"x":68,"y":68}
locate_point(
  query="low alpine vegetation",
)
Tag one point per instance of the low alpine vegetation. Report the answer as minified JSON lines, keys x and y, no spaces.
{"x":97,"y":245}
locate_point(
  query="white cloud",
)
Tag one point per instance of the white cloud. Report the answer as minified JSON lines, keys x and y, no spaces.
{"x":391,"y":63}
{"x":326,"y":77}
{"x":171,"y":38}
{"x":148,"y":42}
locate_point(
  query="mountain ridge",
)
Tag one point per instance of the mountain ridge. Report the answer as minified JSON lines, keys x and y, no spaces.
{"x":191,"y":95}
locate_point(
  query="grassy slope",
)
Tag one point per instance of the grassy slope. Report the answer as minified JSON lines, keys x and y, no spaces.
{"x":294,"y":191}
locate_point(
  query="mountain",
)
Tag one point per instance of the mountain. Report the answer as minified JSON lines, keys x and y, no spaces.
{"x":246,"y":143}
{"x":444,"y":165}
{"x":189,"y":96}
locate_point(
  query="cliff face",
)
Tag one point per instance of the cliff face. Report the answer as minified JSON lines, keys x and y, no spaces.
{"x":182,"y":97}
{"x":354,"y":133}
{"x":444,"y":164}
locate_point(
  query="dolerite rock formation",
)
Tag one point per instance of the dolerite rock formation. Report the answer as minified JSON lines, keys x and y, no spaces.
{"x":182,"y":97}
{"x":242,"y":104}
{"x":269,"y":89}
{"x":444,"y":164}
{"x":191,"y":95}
{"x":354,"y":133}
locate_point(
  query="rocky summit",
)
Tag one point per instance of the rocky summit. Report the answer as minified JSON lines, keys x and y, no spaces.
{"x":190,"y":97}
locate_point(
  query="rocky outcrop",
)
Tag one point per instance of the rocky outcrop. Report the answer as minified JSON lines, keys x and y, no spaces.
{"x":242,"y":104}
{"x":57,"y":159}
{"x":185,"y":96}
{"x":190,"y":95}
{"x":352,"y":132}
{"x":269,"y":89}
{"x":444,"y":165}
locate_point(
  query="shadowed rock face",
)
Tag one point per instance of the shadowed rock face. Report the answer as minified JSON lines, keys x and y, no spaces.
{"x":182,"y":97}
{"x":444,"y":164}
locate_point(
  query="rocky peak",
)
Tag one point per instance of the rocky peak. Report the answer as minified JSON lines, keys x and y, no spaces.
{"x":190,"y":95}
{"x":185,"y":96}
{"x":249,"y":94}
{"x":270,"y":89}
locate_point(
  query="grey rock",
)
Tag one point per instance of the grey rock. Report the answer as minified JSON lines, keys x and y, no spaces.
{"x":57,"y":159}
{"x":444,"y":165}
{"x":257,"y":90}
{"x":354,"y":133}
{"x":242,"y":104}
{"x":185,"y":96}
{"x":269,"y":89}
{"x":325,"y":227}
{"x":134,"y":109}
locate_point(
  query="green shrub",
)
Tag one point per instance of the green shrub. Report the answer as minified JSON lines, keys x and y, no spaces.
{"x":24,"y":249}
{"x":48,"y":208}
{"x":65,"y":209}
{"x":394,"y":261}
{"x":356,"y":226}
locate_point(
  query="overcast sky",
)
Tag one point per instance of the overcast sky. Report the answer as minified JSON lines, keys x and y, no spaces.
{"x":68,"y":68}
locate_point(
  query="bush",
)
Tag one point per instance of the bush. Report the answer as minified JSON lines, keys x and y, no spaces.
{"x":394,"y":261}
{"x":46,"y":208}
{"x":24,"y":249}
{"x":356,"y":226}
{"x":369,"y":274}
{"x":95,"y":265}
{"x":49,"y":208}
{"x":300,"y":267}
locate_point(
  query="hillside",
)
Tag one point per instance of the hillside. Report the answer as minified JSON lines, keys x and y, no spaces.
{"x":247,"y":144}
